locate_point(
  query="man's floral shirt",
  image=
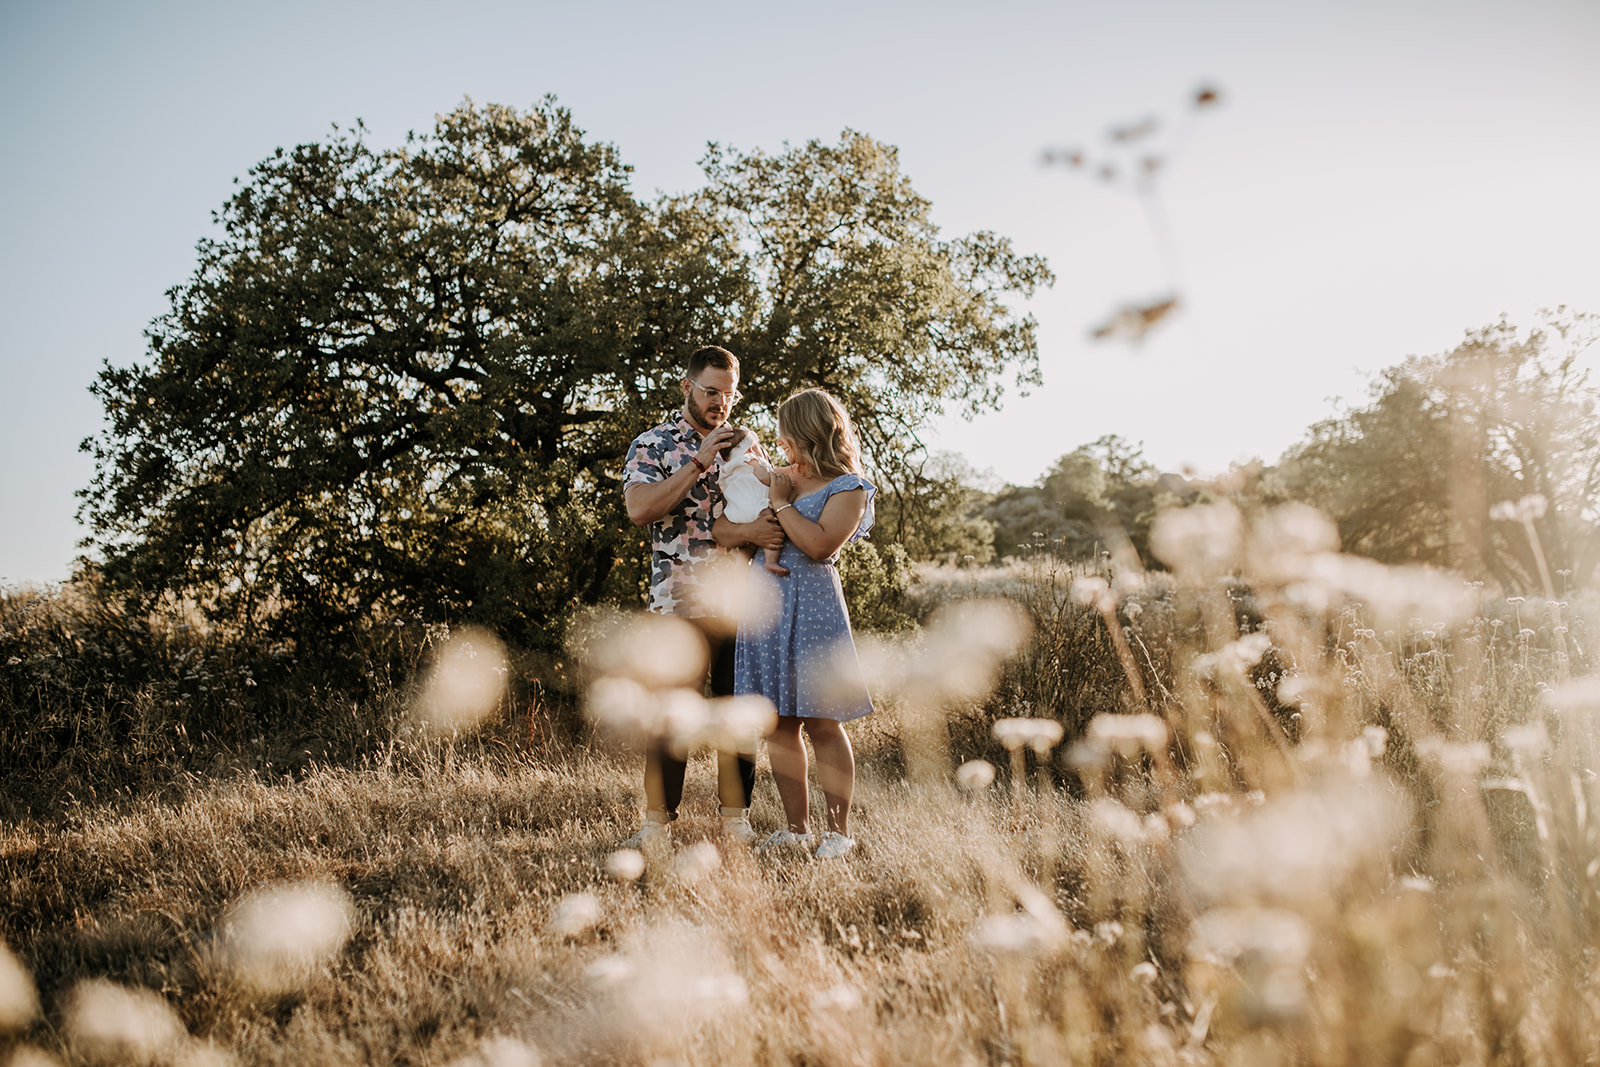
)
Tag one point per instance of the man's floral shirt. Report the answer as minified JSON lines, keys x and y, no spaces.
{"x":681,"y":540}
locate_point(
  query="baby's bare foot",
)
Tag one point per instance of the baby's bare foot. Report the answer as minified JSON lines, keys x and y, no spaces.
{"x":774,"y":568}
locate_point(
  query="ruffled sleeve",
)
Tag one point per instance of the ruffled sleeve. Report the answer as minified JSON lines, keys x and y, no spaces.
{"x":846,"y":482}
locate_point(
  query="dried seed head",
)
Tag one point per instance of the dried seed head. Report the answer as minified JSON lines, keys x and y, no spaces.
{"x":575,"y":915}
{"x":279,"y":937}
{"x":465,"y":684}
{"x":110,"y":1023}
{"x":975,"y":775}
{"x":19,"y":998}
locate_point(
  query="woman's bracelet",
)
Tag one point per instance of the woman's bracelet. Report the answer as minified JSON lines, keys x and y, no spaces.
{"x":779,"y":511}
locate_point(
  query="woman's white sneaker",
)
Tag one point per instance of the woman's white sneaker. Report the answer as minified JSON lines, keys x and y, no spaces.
{"x":834,"y":845}
{"x":783,"y":840}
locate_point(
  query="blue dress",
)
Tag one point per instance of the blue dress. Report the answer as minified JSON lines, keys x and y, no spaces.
{"x":794,"y":645}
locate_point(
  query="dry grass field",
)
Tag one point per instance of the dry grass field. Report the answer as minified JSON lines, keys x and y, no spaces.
{"x":1279,"y":806}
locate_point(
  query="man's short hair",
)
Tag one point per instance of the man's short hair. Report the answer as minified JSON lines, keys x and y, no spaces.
{"x":711,"y":356}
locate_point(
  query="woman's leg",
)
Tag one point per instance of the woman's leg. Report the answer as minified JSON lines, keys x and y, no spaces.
{"x":836,"y":769}
{"x":788,"y":756}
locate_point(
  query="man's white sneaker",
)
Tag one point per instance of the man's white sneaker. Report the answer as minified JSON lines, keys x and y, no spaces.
{"x":651,"y":834}
{"x":783,"y":840}
{"x":834,"y":845}
{"x":737,"y":828}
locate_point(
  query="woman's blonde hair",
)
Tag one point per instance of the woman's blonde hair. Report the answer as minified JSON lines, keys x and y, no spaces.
{"x":817,"y":424}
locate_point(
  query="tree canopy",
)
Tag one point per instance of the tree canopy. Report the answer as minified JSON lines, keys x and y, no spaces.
{"x":1425,"y":472}
{"x":1099,"y":495}
{"x":401,"y":381}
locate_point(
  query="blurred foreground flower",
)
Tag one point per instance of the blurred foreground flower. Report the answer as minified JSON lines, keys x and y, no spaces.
{"x":1199,"y":543}
{"x":1233,"y":660}
{"x":465,"y":685}
{"x":653,"y":651}
{"x":575,"y":915}
{"x":19,"y":999}
{"x":1580,"y":696}
{"x":1286,"y":538}
{"x":1040,"y":735}
{"x":956,"y":657}
{"x":625,"y":708}
{"x":975,"y":775}
{"x":1295,"y":848}
{"x":1036,"y":927}
{"x":673,"y":979}
{"x":1133,"y":321}
{"x":695,"y":862}
{"x":1129,"y":735}
{"x":279,"y":937}
{"x":1394,"y":596}
{"x":841,"y":997}
{"x":955,"y":660}
{"x":1267,"y":949}
{"x":499,"y":1052}
{"x":110,"y":1023}
{"x":625,"y":864}
{"x":1530,"y":507}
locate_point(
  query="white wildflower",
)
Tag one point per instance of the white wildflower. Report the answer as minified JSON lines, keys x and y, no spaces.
{"x":19,"y":998}
{"x":1530,"y":507}
{"x":1580,"y":695}
{"x":1128,"y":735}
{"x":1036,"y":927}
{"x":465,"y":685}
{"x":279,"y":937}
{"x":625,"y":864}
{"x":1041,"y":735}
{"x":697,"y":861}
{"x":499,"y":1052}
{"x":1199,"y":542}
{"x":841,"y":997}
{"x":975,"y":775}
{"x":657,"y":651}
{"x":112,"y":1023}
{"x":1305,"y":842}
{"x":575,"y":915}
{"x":1117,"y":821}
{"x":1286,"y":538}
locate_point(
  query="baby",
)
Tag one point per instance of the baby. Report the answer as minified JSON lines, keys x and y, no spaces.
{"x":744,"y":479}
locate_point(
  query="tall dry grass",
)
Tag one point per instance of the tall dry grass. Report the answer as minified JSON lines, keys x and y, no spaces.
{"x":1276,"y":805}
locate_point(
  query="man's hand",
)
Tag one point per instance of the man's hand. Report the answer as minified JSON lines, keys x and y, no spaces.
{"x":764,"y":532}
{"x":649,"y":501}
{"x":712,"y":443}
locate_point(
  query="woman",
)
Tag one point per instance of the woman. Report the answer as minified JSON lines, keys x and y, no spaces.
{"x":799,"y":654}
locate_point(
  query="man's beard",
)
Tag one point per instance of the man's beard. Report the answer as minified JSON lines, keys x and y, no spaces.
{"x":698,"y":415}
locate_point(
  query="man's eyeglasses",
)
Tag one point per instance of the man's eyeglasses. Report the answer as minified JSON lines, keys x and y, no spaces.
{"x":715,"y":395}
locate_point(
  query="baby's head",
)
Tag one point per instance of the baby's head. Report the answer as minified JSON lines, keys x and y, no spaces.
{"x":742,"y":438}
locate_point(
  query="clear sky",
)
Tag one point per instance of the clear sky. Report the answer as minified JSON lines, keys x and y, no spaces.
{"x":1380,"y":178}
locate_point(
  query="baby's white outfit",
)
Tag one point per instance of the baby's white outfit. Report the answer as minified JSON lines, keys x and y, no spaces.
{"x":743,"y":493}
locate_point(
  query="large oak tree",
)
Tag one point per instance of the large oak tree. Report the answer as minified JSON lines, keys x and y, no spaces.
{"x":401,"y":381}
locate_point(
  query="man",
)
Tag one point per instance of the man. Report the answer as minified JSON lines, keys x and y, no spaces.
{"x":670,"y":485}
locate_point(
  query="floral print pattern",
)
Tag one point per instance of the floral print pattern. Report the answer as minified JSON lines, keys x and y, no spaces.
{"x":680,"y":541}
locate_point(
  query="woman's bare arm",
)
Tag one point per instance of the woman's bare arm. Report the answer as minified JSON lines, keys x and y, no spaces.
{"x":841,"y":517}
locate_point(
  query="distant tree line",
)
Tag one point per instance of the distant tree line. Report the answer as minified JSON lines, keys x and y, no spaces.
{"x":1449,"y":462}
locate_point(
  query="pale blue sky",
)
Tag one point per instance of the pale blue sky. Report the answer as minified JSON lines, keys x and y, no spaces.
{"x":1381,"y":177}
